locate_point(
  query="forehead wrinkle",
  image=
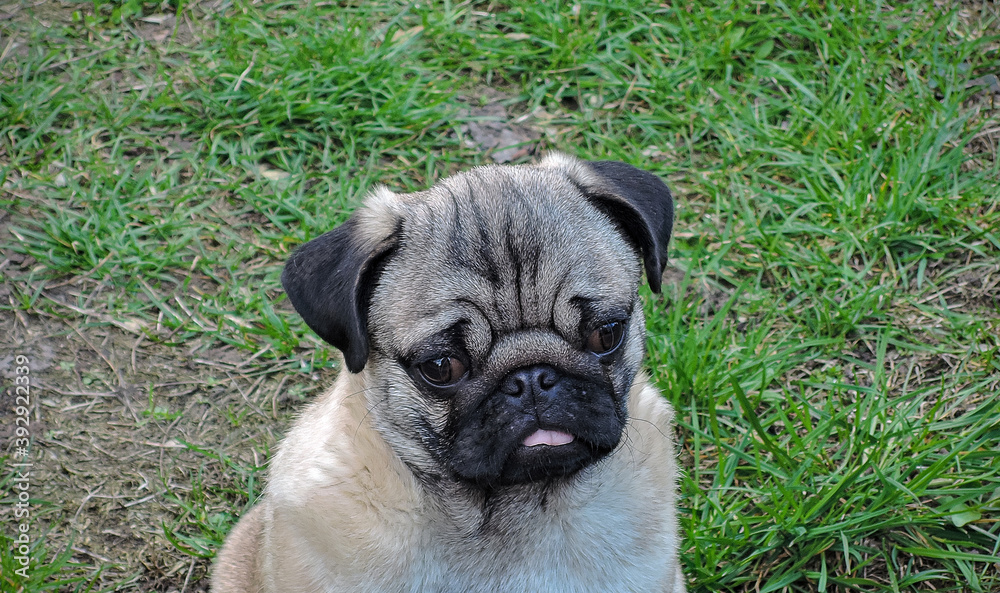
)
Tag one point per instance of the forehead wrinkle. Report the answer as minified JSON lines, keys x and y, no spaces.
{"x":518,"y":246}
{"x":525,"y":347}
{"x":479,"y":336}
{"x":420,"y":328}
{"x":489,"y":242}
{"x":530,"y":235}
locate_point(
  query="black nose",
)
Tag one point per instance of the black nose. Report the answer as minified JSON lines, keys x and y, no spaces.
{"x":537,"y":380}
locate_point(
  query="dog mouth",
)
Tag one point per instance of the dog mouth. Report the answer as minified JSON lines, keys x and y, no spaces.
{"x":516,"y":435}
{"x":551,"y":438}
{"x":543,"y":454}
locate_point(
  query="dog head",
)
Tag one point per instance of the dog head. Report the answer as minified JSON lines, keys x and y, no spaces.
{"x":495,"y":315}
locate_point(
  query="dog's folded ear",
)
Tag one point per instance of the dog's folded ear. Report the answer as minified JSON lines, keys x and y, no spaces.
{"x":329,"y":281}
{"x":635,"y":200}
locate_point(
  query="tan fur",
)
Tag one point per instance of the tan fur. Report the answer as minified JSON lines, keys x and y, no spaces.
{"x":236,"y":566}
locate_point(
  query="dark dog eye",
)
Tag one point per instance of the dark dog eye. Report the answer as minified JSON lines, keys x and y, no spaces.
{"x":606,"y":338}
{"x":442,"y":372}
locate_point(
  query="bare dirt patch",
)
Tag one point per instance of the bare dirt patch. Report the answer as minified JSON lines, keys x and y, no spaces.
{"x":492,"y":130}
{"x":127,"y":433}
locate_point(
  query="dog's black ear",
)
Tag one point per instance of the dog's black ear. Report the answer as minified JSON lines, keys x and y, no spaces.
{"x":329,"y":281}
{"x":641,"y":204}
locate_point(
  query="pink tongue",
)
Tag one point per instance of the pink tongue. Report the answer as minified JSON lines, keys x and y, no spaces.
{"x":548,"y":437}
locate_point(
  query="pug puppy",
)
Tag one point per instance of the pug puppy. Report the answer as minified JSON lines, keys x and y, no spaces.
{"x":494,"y":432}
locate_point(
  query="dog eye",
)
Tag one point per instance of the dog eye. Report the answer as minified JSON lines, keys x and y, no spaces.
{"x":606,"y":338}
{"x":442,"y":372}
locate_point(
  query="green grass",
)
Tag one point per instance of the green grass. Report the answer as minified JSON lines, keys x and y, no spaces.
{"x":832,"y":349}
